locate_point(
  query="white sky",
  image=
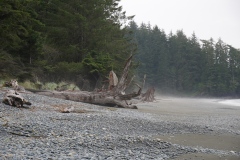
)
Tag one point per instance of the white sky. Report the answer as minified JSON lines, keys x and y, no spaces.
{"x":207,"y":18}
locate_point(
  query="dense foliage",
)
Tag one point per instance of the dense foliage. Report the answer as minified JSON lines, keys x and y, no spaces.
{"x":61,"y":40}
{"x":178,"y":63}
{"x":82,"y":40}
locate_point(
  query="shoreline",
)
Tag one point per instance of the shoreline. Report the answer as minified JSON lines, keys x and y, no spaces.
{"x":199,"y":111}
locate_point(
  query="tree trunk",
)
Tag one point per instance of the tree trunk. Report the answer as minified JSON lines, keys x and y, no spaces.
{"x":149,"y":95}
{"x":100,"y":98}
{"x":113,"y":97}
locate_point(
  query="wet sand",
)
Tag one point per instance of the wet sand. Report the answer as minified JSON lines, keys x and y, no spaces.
{"x":216,"y":113}
{"x":218,"y":142}
{"x":190,"y":106}
{"x":201,"y":156}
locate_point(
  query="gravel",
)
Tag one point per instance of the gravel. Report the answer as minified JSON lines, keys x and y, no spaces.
{"x":90,"y":132}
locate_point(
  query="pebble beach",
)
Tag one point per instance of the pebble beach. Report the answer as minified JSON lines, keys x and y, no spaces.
{"x":153,"y":131}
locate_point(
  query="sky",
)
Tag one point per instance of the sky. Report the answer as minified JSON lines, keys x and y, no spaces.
{"x":206,"y":18}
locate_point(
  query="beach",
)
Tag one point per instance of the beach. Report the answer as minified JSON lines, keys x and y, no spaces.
{"x":170,"y":128}
{"x":222,"y":115}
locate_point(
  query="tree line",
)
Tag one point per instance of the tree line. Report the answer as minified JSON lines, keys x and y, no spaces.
{"x":176,"y":63}
{"x":51,"y":40}
{"x":82,"y":40}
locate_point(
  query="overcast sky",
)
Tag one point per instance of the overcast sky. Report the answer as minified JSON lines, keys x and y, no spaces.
{"x":207,"y":18}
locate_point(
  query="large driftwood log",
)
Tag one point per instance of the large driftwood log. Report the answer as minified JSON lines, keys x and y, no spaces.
{"x":94,"y":98}
{"x":13,"y":98}
{"x":112,"y":97}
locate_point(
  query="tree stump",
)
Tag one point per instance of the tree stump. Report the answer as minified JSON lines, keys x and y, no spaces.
{"x":149,"y":95}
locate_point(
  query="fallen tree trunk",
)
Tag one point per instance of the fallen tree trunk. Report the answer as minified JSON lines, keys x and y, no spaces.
{"x":112,"y":97}
{"x":115,"y":96}
{"x":93,"y":98}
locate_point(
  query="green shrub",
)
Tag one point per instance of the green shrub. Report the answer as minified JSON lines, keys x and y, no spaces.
{"x":28,"y":84}
{"x":67,"y":86}
{"x":50,"y":86}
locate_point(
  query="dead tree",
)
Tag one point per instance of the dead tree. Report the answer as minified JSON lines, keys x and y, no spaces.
{"x":149,"y":95}
{"x":113,"y":97}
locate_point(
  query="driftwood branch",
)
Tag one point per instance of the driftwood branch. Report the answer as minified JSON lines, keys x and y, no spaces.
{"x":122,"y":85}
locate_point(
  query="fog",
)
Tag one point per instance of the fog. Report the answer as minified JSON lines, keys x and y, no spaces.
{"x":190,"y":99}
{"x":183,"y":105}
{"x":232,"y":102}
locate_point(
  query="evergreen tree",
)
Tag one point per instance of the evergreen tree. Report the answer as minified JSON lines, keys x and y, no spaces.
{"x":88,"y":33}
{"x":177,"y":63}
{"x":222,"y":77}
{"x":20,"y":38}
{"x":206,"y":85}
{"x":18,"y":34}
{"x":234,"y":63}
{"x":195,"y":61}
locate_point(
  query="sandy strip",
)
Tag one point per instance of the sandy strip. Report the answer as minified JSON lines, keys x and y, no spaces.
{"x":222,"y":115}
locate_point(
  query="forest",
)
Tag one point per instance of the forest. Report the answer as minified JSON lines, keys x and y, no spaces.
{"x":56,"y":40}
{"x":175,"y":63}
{"x":82,"y":40}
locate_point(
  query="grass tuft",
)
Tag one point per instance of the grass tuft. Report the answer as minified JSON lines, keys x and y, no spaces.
{"x":50,"y":86}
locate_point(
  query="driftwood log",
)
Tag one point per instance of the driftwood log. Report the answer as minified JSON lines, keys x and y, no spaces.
{"x":113,"y":97}
{"x":13,"y":83}
{"x":94,"y":98}
{"x":13,"y":98}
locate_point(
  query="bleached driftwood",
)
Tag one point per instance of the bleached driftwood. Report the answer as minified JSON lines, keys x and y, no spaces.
{"x":113,"y":97}
{"x":14,"y":84}
{"x":113,"y":80}
{"x":13,"y":98}
{"x":94,"y":98}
